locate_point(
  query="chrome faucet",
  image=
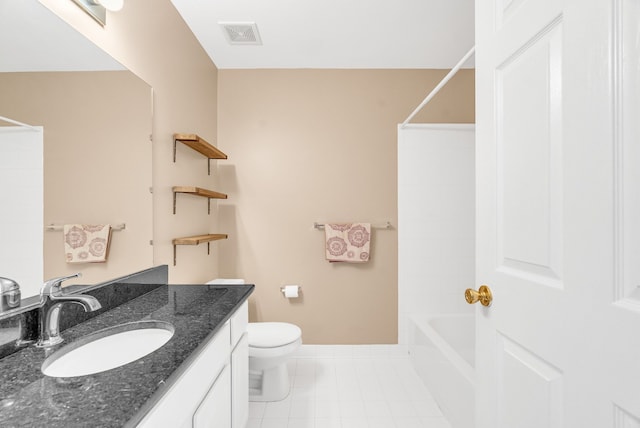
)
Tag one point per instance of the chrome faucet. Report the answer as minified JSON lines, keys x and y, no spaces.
{"x":9,"y":294}
{"x":51,"y":301}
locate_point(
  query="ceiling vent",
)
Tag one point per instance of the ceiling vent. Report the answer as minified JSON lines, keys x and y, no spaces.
{"x":241,"y":33}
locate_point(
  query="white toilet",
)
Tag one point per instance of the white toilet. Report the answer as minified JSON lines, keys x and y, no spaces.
{"x":271,"y":344}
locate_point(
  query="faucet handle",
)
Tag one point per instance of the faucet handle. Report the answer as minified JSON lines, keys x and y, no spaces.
{"x":9,"y":294}
{"x":8,"y":284}
{"x":52,"y":285}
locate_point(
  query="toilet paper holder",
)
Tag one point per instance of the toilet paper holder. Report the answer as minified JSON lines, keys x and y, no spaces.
{"x":284,"y":288}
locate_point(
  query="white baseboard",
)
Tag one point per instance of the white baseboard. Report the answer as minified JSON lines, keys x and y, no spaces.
{"x":352,"y":351}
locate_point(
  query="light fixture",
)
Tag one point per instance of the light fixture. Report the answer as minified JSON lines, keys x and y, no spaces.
{"x":97,"y":9}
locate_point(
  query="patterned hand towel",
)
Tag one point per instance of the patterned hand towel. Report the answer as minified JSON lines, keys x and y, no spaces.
{"x":347,"y":242}
{"x":86,"y":243}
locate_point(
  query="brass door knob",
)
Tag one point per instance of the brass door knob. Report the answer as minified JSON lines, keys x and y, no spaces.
{"x":483,"y":295}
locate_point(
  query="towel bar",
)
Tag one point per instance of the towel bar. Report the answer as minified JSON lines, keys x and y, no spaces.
{"x":386,"y":225}
{"x":58,"y":227}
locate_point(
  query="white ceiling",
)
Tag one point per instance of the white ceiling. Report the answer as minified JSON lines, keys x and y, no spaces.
{"x":295,"y":34}
{"x":336,"y":33}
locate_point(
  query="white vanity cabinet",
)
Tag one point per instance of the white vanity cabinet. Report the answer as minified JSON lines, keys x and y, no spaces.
{"x":210,"y":393}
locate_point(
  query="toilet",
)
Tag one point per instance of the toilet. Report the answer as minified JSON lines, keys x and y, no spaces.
{"x":271,"y":344}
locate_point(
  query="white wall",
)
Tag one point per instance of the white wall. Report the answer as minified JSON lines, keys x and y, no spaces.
{"x":21,"y":226}
{"x":436,"y":220}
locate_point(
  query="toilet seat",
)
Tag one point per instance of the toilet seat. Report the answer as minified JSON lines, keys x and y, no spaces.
{"x":266,"y":335}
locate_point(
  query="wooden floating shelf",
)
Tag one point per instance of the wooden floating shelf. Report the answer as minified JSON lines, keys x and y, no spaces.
{"x":197,"y":191}
{"x":196,"y":240}
{"x":200,"y":145}
{"x":199,"y":239}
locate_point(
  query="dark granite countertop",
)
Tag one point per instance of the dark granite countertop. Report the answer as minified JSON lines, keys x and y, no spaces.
{"x":121,"y":396}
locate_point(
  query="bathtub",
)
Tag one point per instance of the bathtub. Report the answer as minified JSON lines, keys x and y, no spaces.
{"x":442,"y":350}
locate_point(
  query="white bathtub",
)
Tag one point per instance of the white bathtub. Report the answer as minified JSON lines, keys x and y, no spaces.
{"x":442,"y":351}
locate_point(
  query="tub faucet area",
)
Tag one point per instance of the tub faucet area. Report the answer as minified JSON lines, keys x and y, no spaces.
{"x":51,"y":301}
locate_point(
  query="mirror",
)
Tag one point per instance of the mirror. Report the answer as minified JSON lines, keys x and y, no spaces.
{"x":96,"y":118}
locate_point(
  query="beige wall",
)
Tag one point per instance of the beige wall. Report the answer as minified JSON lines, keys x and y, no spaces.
{"x":303,"y":146}
{"x":150,"y":38}
{"x":320,"y":145}
{"x":97,"y":161}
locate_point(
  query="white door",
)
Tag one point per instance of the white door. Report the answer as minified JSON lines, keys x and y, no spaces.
{"x":558,"y":212}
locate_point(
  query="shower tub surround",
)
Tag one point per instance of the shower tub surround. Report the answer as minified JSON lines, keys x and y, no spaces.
{"x":121,"y":396}
{"x":442,"y":351}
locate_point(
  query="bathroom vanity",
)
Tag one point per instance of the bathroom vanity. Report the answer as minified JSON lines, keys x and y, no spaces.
{"x":213,"y":390}
{"x":200,"y":375}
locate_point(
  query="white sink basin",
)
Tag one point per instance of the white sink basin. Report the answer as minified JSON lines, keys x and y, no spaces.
{"x":107,"y":349}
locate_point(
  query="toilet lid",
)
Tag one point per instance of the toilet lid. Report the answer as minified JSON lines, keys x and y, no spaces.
{"x":272,"y":334}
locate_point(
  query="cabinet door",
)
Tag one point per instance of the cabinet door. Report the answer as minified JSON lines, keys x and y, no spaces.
{"x":240,"y":383}
{"x":215,"y":409}
{"x":176,"y":407}
{"x":239,"y":322}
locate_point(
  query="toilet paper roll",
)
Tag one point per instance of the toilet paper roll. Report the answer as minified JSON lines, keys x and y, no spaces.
{"x":291,"y":291}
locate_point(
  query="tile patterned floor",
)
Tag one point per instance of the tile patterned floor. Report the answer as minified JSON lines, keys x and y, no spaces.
{"x":367,"y":388}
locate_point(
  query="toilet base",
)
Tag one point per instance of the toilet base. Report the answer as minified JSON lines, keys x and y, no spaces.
{"x":269,"y":385}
